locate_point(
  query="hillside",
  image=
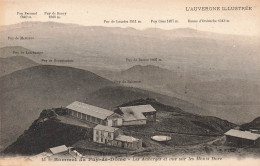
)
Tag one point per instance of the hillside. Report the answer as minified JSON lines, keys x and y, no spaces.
{"x":255,"y":125}
{"x":9,"y":51}
{"x":185,"y":128}
{"x":13,"y":58}
{"x":155,"y":76}
{"x":221,"y":94}
{"x":14,"y":63}
{"x":24,"y":93}
{"x":175,"y":120}
{"x":111,"y":96}
{"x":46,"y":132}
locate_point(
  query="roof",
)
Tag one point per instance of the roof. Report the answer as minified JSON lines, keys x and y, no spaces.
{"x":132,"y":113}
{"x":243,"y":134}
{"x":59,"y":149}
{"x":125,"y":138}
{"x":105,"y":128}
{"x":91,"y":110}
{"x":141,"y":108}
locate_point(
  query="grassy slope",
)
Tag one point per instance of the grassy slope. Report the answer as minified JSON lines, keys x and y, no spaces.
{"x":174,"y":120}
{"x":25,"y":93}
{"x":14,"y":63}
{"x":42,"y":135}
{"x":255,"y":124}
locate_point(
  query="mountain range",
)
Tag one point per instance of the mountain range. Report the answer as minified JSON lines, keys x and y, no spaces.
{"x":183,"y":49}
{"x":200,"y":72}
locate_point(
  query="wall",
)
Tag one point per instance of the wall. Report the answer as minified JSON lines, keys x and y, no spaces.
{"x":151,"y":116}
{"x":85,"y":117}
{"x":128,"y":145}
{"x":115,"y":120}
{"x":118,"y":122}
{"x":103,"y":136}
{"x":136,"y":122}
{"x":109,"y":122}
{"x":238,"y":142}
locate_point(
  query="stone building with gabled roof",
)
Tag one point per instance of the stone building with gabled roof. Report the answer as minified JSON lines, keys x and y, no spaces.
{"x":105,"y":134}
{"x":112,"y":136}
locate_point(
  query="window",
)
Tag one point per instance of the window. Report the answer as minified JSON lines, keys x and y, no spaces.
{"x":97,"y":139}
{"x":102,"y":139}
{"x":83,"y":116}
{"x":102,"y":133}
{"x":109,"y":135}
{"x":97,"y":133}
{"x":93,"y":119}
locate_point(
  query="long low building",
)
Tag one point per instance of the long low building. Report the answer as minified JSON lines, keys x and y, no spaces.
{"x":93,"y":114}
{"x":241,"y":138}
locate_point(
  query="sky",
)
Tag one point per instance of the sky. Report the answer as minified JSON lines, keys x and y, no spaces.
{"x":94,"y":12}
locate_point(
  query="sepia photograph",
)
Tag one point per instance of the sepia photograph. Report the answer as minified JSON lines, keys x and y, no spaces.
{"x":92,"y":82}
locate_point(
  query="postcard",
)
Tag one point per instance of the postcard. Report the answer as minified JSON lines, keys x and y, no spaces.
{"x":148,"y":82}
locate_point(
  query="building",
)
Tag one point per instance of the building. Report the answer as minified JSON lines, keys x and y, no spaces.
{"x":137,"y":115}
{"x":93,"y":114}
{"x":59,"y":150}
{"x":127,"y":142}
{"x":57,"y":154}
{"x":241,"y":138}
{"x":114,"y":137}
{"x":105,"y":134}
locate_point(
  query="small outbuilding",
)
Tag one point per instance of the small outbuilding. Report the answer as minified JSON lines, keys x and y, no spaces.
{"x":59,"y":150}
{"x":137,"y":115}
{"x":127,"y":142}
{"x":241,"y":138}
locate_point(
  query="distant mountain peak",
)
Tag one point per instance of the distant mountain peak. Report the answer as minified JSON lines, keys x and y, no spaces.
{"x":16,"y":47}
{"x":145,"y":68}
{"x":253,"y":125}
